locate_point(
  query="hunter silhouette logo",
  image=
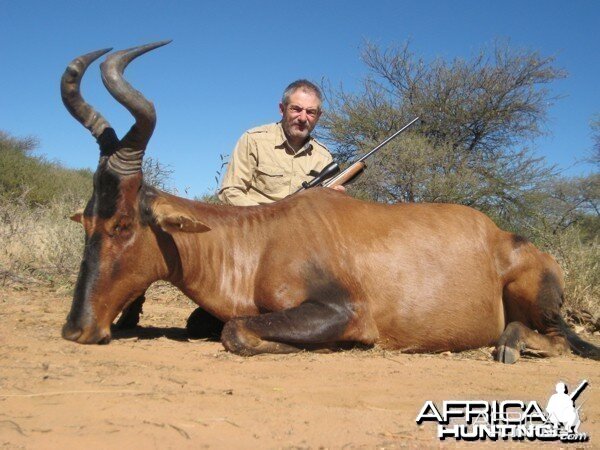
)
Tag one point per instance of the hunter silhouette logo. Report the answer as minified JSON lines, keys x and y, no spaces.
{"x":561,"y":408}
{"x":472,"y":420}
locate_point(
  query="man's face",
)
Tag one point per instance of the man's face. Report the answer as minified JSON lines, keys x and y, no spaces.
{"x":300,"y":115}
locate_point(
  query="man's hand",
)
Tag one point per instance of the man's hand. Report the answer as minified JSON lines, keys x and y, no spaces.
{"x":339,"y":188}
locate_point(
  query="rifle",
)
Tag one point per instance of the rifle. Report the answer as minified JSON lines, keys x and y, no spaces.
{"x":352,"y":171}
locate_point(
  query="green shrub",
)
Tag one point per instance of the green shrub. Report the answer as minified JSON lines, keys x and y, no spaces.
{"x":35,"y":180}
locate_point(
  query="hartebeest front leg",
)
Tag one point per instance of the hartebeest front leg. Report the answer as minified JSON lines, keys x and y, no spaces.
{"x":130,"y":317}
{"x":202,"y":325}
{"x":313,"y":324}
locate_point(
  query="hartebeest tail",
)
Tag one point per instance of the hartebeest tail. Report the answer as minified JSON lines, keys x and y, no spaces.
{"x":578,"y":345}
{"x":316,"y":270}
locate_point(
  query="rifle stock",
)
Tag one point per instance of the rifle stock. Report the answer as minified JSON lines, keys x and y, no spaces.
{"x":347,"y":175}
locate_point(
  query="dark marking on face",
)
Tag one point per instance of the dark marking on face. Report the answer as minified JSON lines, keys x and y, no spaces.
{"x":81,"y":309}
{"x":108,"y":142}
{"x":106,"y":192}
{"x":518,"y":240}
{"x":147,"y":196}
{"x":89,"y":207}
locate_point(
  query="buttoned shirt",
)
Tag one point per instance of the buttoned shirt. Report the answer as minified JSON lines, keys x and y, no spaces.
{"x":265,"y":168}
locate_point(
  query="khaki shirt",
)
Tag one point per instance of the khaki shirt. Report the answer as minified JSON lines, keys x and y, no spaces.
{"x":264,"y":168}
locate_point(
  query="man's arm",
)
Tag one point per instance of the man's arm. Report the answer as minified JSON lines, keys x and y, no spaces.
{"x":237,"y":179}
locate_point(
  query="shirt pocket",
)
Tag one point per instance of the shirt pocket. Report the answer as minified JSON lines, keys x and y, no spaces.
{"x":270,"y":179}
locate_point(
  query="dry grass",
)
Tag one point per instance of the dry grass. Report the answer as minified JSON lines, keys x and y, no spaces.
{"x":39,"y":244}
{"x":580,"y":262}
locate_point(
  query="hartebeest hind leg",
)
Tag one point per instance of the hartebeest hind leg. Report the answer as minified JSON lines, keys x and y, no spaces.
{"x":535,"y":325}
{"x":518,"y":339}
{"x":313,"y":324}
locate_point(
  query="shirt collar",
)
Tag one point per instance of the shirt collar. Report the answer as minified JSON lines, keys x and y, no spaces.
{"x":283,"y":143}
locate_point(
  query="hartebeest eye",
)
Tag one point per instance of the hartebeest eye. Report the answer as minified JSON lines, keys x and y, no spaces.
{"x":122,"y":227}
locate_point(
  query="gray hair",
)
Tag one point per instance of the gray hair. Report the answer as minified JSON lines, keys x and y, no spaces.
{"x":305,"y":85}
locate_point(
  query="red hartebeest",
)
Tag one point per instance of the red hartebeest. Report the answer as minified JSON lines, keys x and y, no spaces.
{"x":316,"y":270}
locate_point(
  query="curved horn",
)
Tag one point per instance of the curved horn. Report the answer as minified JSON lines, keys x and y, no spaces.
{"x":128,"y":159}
{"x":71,"y":95}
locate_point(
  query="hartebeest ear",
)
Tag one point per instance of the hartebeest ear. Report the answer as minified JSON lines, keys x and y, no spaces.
{"x":77,"y":216}
{"x":180,"y":222}
{"x":174,"y":223}
{"x":171,"y":220}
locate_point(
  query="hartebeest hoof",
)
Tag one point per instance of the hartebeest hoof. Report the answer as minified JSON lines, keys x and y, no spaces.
{"x":506,"y":355}
{"x":237,"y":339}
{"x":509,"y":347}
{"x":91,"y":335}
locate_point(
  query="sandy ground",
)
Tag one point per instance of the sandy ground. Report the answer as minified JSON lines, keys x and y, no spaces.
{"x":153,"y":388}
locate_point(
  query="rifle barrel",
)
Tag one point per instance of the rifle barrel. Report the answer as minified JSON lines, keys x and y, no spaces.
{"x":389,"y":139}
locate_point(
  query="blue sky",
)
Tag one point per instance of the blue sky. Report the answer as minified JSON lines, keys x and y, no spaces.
{"x":229,"y":61}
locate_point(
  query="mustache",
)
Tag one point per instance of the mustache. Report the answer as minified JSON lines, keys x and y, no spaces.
{"x":300,"y":123}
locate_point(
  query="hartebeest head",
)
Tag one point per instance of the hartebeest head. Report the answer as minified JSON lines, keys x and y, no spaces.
{"x":126,"y":225}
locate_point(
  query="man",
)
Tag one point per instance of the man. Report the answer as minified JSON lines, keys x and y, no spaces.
{"x":271,"y":162}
